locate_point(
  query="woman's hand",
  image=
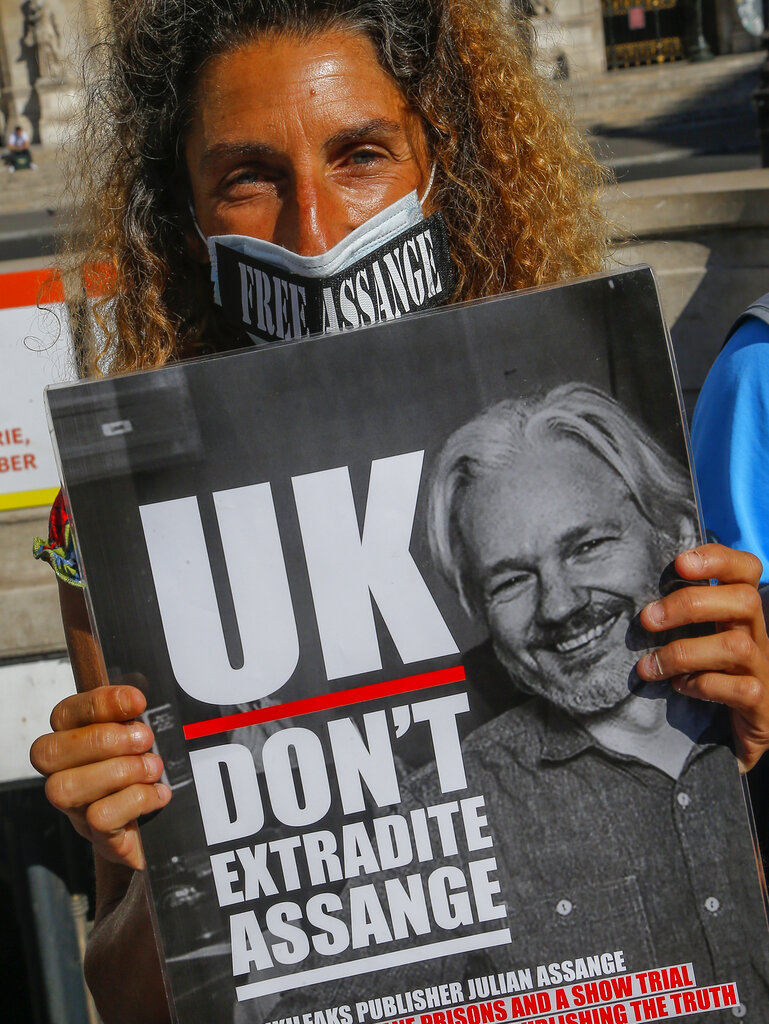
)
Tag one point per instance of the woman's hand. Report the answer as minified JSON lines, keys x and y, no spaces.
{"x":101,"y":771}
{"x":730,"y":666}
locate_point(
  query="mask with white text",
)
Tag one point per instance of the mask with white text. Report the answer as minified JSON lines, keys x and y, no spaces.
{"x":396,"y":263}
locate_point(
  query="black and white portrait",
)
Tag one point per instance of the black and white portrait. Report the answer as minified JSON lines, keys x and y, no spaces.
{"x":513,"y":473}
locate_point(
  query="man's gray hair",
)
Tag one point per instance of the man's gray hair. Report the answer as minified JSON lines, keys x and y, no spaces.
{"x":658,"y":484}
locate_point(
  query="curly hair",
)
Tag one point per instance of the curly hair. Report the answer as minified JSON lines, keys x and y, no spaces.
{"x":517,"y":183}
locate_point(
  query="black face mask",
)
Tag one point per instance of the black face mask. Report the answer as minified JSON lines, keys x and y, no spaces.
{"x":396,"y":263}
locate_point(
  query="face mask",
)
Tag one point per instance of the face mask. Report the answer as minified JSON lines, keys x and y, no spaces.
{"x":397,"y":262}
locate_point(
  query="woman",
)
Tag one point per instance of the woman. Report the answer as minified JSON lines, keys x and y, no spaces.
{"x":294,"y":122}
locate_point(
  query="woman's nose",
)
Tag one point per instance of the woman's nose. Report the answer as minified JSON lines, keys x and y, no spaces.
{"x":311,"y":221}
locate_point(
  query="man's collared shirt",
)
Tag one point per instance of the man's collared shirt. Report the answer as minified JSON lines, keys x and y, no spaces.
{"x":599,"y":851}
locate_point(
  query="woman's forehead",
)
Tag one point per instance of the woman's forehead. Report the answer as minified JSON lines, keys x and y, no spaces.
{"x":283,"y":75}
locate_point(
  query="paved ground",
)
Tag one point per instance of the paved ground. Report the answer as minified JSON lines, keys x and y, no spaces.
{"x":29,"y":201}
{"x":673,"y":119}
{"x":677,"y":92}
{"x":32,"y":190}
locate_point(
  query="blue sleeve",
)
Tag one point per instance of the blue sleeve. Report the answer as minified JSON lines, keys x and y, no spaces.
{"x":730,"y":442}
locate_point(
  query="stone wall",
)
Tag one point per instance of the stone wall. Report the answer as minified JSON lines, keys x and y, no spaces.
{"x":707,"y":238}
{"x":33,"y":673}
{"x":29,"y":604}
{"x":570,"y":34}
{"x":41,"y":48}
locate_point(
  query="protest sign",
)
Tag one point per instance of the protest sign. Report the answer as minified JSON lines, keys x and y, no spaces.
{"x":381,"y":591}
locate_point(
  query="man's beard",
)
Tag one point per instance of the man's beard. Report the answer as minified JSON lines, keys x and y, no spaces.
{"x":581,"y":665}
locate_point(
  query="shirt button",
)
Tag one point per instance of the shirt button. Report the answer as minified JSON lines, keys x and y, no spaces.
{"x":712,"y":904}
{"x":739,"y":1011}
{"x":564,"y":907}
{"x":683,"y":799}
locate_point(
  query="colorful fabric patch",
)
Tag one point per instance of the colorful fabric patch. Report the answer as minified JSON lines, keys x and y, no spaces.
{"x":59,"y":549}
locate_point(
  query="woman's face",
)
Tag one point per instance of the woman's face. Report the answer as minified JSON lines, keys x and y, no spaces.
{"x":300,"y":141}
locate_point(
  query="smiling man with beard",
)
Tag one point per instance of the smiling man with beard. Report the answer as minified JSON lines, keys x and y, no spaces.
{"x":553,"y":519}
{"x":619,"y":824}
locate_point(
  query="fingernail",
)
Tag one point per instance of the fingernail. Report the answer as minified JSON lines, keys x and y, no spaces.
{"x":650,"y":666}
{"x":655,"y":613}
{"x":139,"y":733}
{"x":163,"y":791}
{"x":120,"y":697}
{"x":153,"y":765}
{"x":694,"y":560}
{"x":679,"y":684}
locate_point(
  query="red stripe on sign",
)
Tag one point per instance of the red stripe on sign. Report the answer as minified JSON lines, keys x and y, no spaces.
{"x":325,"y":701}
{"x":30,"y":287}
{"x":43,"y":287}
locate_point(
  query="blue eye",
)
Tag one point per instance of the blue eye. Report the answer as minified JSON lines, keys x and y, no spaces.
{"x":365,"y":156}
{"x":248,"y":176}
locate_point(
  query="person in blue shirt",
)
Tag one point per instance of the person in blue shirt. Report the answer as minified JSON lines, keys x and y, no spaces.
{"x":730,"y":438}
{"x":730,"y":441}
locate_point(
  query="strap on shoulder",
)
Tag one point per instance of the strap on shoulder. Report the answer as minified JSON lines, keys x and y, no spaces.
{"x":758,"y":309}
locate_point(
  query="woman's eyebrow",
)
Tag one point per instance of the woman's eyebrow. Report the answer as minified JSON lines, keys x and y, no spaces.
{"x":378,"y":126}
{"x":247,"y":150}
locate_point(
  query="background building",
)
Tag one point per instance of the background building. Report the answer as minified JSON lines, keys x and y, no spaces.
{"x":40,"y":42}
{"x":587,"y":37}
